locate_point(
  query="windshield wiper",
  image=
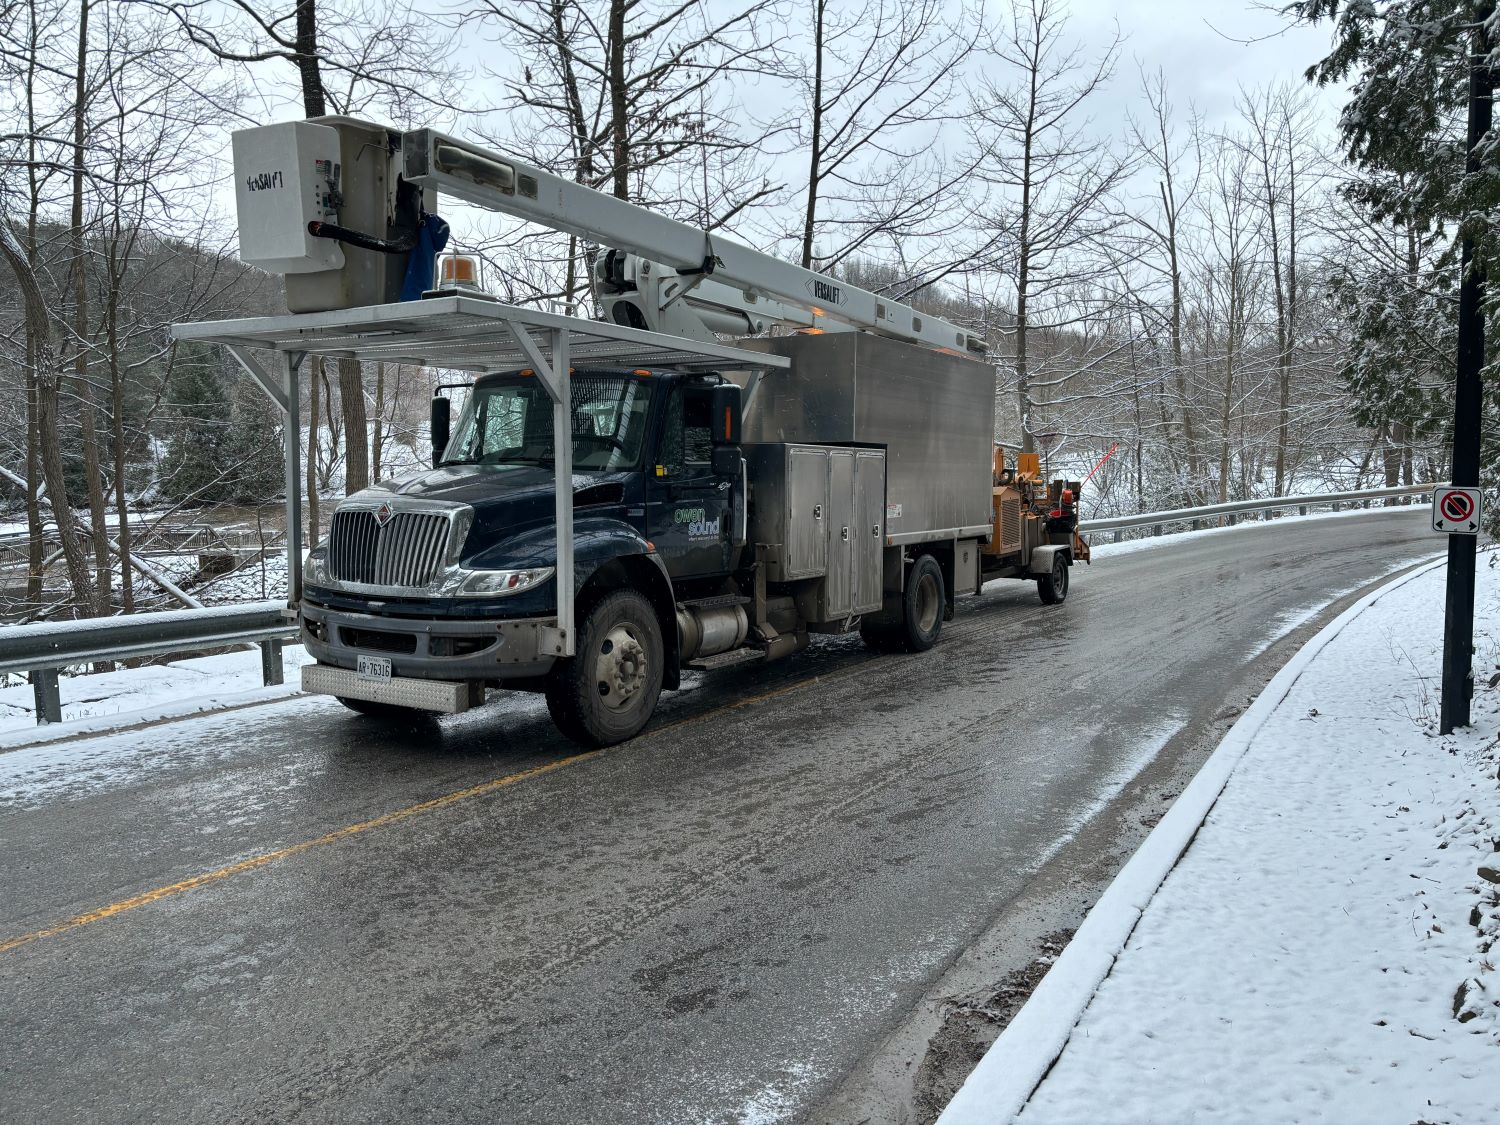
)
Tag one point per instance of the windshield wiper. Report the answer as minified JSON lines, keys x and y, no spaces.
{"x":540,"y":459}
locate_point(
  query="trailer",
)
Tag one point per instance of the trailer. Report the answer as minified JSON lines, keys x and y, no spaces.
{"x":618,"y":500}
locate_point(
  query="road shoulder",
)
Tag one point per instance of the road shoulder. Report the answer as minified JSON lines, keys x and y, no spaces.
{"x":1326,"y":921}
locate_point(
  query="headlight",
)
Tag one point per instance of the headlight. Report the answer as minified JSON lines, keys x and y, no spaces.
{"x":500,"y":583}
{"x":315,"y":567}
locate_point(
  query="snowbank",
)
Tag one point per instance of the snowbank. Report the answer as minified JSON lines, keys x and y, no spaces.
{"x":110,"y":700}
{"x":1324,"y":949}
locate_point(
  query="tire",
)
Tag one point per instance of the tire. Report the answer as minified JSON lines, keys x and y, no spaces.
{"x":607,"y":692}
{"x":384,"y":710}
{"x":918,"y":616}
{"x":1054,"y":587}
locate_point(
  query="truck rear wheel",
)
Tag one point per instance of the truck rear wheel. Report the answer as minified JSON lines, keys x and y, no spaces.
{"x":917,"y":619}
{"x":607,"y":692}
{"x":1054,"y":587}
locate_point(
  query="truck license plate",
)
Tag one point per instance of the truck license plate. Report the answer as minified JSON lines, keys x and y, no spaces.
{"x":377,"y":668}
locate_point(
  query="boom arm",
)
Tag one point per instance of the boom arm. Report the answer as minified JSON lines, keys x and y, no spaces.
{"x":689,"y":282}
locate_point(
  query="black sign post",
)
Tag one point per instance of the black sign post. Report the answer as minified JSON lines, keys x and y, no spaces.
{"x":1458,"y":615}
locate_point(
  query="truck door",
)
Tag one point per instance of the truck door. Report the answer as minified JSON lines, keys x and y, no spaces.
{"x":690,"y":506}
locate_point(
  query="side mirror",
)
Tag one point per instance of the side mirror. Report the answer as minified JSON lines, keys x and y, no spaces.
{"x":440,"y":429}
{"x":726,"y":460}
{"x":724,"y":415}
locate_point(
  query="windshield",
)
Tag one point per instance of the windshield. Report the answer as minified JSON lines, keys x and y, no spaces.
{"x":510,"y":422}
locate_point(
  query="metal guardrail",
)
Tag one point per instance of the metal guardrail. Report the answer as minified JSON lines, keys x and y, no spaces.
{"x":1197,"y":517}
{"x":42,"y":650}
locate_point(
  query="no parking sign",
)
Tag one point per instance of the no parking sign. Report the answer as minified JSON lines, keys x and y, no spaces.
{"x":1455,"y":511}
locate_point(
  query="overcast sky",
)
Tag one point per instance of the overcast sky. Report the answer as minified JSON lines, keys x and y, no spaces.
{"x":1208,"y":50}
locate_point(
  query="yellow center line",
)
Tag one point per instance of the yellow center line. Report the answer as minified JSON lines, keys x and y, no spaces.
{"x":396,"y":817}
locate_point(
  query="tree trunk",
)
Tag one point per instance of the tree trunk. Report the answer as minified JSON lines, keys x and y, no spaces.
{"x":356,"y":426}
{"x":619,"y":121}
{"x":308,"y":70}
{"x":1226,"y":413}
{"x":46,"y":372}
{"x":377,"y":428}
{"x":1284,"y":436}
{"x":1179,"y":371}
{"x":310,"y":468}
{"x":1023,"y":273}
{"x":815,"y":150}
{"x":117,"y":399}
{"x":93,"y":477}
{"x":1391,"y":454}
{"x":325,"y":470}
{"x":36,"y":548}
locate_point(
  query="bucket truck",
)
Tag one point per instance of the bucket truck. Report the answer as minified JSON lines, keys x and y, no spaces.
{"x":742,"y":453}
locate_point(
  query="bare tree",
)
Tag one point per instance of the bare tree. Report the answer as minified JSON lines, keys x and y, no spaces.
{"x":880,"y":77}
{"x":46,"y":371}
{"x":632,"y":97}
{"x":1279,"y":122}
{"x":1230,"y":283}
{"x":350,"y":59}
{"x":1178,"y":169}
{"x":1049,"y":183}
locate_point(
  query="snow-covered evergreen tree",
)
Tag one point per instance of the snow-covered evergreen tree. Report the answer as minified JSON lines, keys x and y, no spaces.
{"x":1404,"y":131}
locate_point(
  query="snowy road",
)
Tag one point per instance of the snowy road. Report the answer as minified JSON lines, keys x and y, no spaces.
{"x":288,"y":912}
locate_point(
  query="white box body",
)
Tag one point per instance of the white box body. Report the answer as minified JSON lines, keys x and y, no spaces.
{"x":287,"y":176}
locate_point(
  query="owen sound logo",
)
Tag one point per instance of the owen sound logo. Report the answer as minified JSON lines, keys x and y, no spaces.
{"x":699,"y":526}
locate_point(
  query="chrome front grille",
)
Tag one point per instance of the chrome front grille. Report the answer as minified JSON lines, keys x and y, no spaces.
{"x":407,"y":551}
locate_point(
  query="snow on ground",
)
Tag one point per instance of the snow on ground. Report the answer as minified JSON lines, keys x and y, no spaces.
{"x":261,"y":580}
{"x":108,"y":700}
{"x":1326,"y":948}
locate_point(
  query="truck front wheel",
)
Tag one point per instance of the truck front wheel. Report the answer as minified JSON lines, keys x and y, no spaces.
{"x":606,"y":693}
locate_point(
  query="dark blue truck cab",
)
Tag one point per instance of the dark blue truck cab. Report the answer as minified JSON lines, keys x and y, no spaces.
{"x":448,"y":575}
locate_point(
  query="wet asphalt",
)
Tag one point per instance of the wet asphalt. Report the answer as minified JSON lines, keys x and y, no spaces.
{"x":292,"y":913}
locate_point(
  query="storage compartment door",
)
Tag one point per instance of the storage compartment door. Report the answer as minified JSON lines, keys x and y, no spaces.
{"x":807,"y":517}
{"x":868,"y":531}
{"x":839,"y":597}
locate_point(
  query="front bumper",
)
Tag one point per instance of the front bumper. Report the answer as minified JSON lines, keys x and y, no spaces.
{"x":422,"y":695}
{"x":433,"y":648}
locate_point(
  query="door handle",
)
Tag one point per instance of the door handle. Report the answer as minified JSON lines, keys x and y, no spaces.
{"x":846,"y":535}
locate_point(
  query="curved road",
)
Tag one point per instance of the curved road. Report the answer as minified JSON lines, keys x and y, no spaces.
{"x":287,"y":912}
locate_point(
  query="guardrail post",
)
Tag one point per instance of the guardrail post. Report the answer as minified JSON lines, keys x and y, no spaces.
{"x":1119,"y":535}
{"x":1156,"y":530}
{"x":1197,"y":525}
{"x":1302,"y":509}
{"x":48,"y":701}
{"x":271,"y":670}
{"x":1232,"y":519}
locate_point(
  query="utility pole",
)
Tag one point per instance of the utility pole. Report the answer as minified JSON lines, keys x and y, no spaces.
{"x":1458,"y":616}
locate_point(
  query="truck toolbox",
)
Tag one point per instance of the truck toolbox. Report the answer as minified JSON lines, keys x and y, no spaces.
{"x":821,"y":510}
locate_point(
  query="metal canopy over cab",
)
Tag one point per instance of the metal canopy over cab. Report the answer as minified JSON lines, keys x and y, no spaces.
{"x":457,"y":333}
